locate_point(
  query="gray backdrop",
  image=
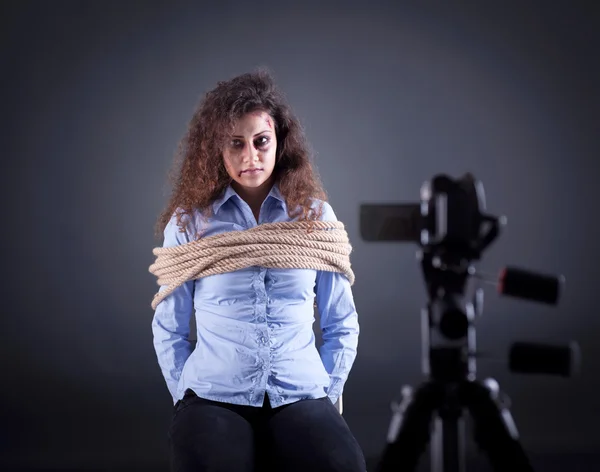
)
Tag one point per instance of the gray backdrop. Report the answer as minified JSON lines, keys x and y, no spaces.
{"x":96,"y":95}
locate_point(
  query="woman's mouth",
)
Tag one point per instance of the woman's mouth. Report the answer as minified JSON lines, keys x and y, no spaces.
{"x":251,"y":171}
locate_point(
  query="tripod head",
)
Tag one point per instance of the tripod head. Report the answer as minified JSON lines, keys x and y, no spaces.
{"x":452,"y":229}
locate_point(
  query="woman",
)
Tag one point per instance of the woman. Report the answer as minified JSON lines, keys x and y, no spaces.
{"x":253,"y":386}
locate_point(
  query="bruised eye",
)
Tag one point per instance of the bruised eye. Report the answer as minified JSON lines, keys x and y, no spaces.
{"x":261,"y":141}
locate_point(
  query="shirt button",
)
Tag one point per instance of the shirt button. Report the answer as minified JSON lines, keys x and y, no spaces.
{"x":263,"y":340}
{"x":261,"y":319}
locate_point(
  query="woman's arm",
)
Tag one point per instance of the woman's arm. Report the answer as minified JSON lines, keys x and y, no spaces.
{"x":171,"y":322}
{"x":339,"y":323}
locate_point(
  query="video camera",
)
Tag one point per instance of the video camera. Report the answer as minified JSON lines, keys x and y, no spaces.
{"x":452,"y":229}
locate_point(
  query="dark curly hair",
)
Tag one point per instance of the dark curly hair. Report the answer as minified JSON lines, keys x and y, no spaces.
{"x":198,"y":176}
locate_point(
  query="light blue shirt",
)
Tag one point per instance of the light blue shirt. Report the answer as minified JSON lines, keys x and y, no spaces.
{"x":255,"y":325}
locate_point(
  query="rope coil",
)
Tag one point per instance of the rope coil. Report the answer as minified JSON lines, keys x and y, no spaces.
{"x":318,"y":245}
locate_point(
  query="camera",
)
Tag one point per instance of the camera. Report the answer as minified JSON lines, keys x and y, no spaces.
{"x":452,"y":229}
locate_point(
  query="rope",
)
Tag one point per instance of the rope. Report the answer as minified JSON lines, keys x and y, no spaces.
{"x":319,"y":245}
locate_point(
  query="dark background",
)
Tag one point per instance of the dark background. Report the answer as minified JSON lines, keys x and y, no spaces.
{"x":96,"y":95}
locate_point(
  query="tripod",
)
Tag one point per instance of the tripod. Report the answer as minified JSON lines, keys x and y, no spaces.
{"x":451,"y":391}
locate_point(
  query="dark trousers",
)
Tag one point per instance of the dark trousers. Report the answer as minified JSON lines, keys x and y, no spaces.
{"x":306,"y":436}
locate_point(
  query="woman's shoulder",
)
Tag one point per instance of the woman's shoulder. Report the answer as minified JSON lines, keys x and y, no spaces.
{"x":185,"y":226}
{"x":324,"y":209}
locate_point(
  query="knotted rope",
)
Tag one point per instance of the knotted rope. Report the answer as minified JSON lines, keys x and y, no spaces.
{"x":319,"y":245}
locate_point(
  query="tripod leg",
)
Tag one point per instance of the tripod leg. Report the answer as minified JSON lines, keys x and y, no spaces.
{"x":494,"y":429}
{"x":447,"y":443}
{"x":408,"y":435}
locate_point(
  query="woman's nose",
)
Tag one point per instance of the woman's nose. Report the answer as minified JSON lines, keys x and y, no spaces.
{"x":250,"y":154}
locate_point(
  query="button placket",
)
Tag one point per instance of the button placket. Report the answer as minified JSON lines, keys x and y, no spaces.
{"x":261,"y":296}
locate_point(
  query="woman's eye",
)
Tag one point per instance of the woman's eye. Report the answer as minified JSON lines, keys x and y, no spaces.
{"x":261,"y":141}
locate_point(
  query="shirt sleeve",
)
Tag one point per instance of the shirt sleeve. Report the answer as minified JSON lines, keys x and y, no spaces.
{"x":339,"y":323}
{"x":171,"y":321}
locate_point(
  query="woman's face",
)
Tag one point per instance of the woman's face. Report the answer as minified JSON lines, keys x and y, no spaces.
{"x":249,"y":156}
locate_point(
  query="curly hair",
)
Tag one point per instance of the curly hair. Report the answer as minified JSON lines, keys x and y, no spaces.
{"x":199,"y":177}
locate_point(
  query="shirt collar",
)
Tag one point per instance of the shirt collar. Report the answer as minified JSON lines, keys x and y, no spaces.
{"x":229,"y":192}
{"x":225,"y":195}
{"x":276,"y":194}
